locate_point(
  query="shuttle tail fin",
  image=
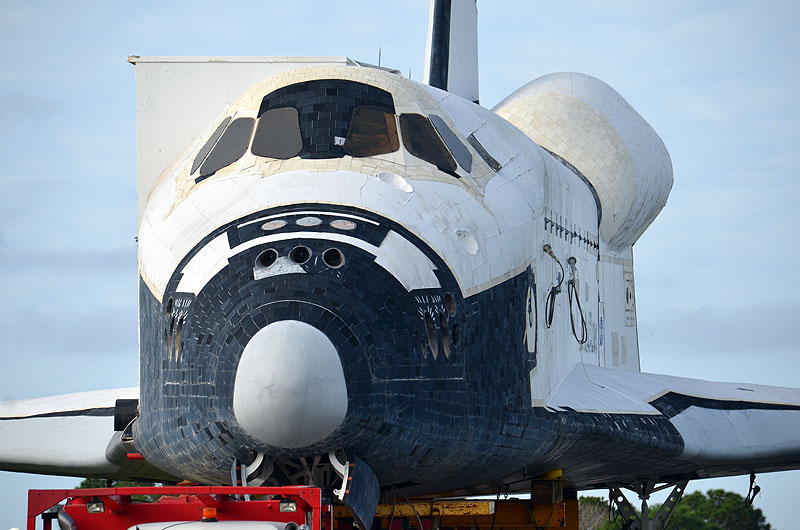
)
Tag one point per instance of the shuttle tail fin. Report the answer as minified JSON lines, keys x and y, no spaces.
{"x":451,"y":61}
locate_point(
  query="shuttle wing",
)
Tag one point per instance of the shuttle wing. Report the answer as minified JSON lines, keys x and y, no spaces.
{"x":723,"y":428}
{"x":71,"y":434}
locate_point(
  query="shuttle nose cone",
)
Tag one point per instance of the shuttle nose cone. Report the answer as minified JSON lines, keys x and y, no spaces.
{"x":290,"y":389}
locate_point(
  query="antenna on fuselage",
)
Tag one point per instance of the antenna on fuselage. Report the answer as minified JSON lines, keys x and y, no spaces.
{"x":451,"y":58}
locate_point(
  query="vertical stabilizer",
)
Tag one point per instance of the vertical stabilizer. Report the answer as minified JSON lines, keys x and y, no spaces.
{"x":451,"y":61}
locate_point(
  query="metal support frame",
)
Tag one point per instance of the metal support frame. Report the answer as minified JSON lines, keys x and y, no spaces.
{"x":646,"y":521}
{"x":432,"y":514}
{"x":342,"y":469}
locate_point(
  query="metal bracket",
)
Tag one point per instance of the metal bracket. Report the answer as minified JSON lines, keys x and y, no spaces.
{"x":625,"y":508}
{"x":259,"y":471}
{"x":239,"y":477}
{"x":643,"y":489}
{"x":342,"y":469}
{"x":752,"y":491}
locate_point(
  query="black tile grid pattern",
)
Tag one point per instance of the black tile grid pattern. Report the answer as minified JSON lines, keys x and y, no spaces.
{"x":325,"y":108}
{"x":460,"y":420}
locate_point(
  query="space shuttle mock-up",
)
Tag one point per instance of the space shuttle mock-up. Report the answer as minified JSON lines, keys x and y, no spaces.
{"x":340,"y":265}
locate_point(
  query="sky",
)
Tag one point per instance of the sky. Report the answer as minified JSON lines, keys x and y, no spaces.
{"x":717,"y":291}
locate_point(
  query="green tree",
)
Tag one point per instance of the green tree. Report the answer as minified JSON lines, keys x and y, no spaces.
{"x":593,"y":514}
{"x":714,"y":510}
{"x":718,"y":510}
{"x":105,"y":483}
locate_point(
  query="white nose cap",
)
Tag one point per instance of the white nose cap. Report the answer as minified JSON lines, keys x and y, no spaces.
{"x":290,"y":389}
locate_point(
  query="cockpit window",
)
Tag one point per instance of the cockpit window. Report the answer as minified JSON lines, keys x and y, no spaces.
{"x":278,"y":134}
{"x":422,"y":141}
{"x":457,"y":149}
{"x":203,"y":153}
{"x":230,"y":147}
{"x":325,"y":109}
{"x":489,"y":159}
{"x":372,"y":132}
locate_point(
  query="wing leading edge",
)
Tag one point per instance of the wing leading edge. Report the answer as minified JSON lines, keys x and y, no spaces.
{"x":726,"y":428}
{"x":70,"y":434}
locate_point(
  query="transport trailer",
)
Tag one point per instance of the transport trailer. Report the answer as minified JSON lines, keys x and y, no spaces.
{"x":288,"y":508}
{"x":160,"y":507}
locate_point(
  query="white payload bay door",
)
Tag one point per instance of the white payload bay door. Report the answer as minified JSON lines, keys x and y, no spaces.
{"x":177,"y":97}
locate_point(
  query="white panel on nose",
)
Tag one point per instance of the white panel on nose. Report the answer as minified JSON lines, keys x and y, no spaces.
{"x":290,"y":389}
